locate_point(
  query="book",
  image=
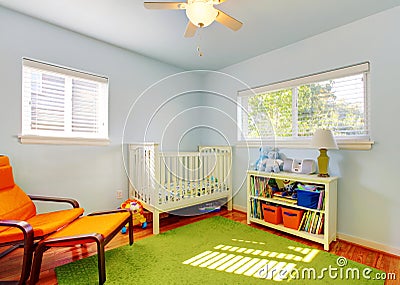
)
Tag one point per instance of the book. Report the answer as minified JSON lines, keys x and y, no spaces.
{"x":287,"y":199}
{"x":302,"y":221}
{"x":252,"y":185}
{"x":307,"y":226}
{"x":321,"y":226}
{"x":321,"y":199}
{"x":316,"y":220}
{"x":260,"y":211}
{"x":312,"y":222}
{"x":319,"y":223}
{"x":284,"y":199}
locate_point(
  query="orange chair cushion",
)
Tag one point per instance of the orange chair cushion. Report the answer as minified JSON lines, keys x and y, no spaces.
{"x":43,"y":224}
{"x":15,"y":205}
{"x":102,"y":224}
{"x":7,"y":179}
{"x":4,"y":161}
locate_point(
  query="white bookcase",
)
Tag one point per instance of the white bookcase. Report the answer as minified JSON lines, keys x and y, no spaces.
{"x":329,"y":211}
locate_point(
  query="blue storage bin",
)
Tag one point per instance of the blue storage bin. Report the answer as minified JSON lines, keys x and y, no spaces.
{"x":308,"y":199}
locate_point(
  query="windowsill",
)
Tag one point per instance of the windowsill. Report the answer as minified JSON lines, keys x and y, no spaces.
{"x":31,"y":139}
{"x":342,"y":144}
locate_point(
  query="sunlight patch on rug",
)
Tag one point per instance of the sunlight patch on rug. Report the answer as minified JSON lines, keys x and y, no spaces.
{"x":241,"y":260}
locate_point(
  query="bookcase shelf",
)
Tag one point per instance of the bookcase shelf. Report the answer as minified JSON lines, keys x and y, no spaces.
{"x":275,"y":201}
{"x":329,"y":211}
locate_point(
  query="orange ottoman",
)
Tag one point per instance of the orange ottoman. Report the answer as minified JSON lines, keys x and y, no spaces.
{"x":98,"y":227}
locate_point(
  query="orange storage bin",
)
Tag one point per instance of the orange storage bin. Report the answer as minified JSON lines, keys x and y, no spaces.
{"x":272,"y":214}
{"x":292,"y":218}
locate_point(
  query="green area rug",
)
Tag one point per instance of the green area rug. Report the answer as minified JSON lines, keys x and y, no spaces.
{"x":218,"y":251}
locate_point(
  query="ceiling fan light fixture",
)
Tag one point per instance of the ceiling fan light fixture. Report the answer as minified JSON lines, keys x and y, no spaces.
{"x":201,"y":13}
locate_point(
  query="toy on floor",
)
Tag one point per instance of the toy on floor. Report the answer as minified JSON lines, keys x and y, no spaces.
{"x":137,"y":213}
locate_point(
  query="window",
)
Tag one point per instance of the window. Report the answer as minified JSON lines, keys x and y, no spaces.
{"x":288,"y":113}
{"x":62,"y":105}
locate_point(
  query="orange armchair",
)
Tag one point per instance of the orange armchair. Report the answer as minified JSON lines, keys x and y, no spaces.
{"x":21,"y":225}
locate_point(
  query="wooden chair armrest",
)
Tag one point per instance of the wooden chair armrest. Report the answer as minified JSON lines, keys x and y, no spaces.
{"x":25,"y":227}
{"x":73,"y":202}
{"x":109,"y":212}
{"x":28,"y":241}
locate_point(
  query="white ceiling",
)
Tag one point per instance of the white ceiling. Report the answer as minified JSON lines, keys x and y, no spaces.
{"x":267,"y":25}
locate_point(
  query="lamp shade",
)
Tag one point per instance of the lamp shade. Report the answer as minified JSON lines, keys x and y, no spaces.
{"x":201,"y":13}
{"x":324,"y":139}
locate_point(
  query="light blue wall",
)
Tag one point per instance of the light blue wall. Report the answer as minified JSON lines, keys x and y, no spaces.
{"x":369,"y":196}
{"x":91,"y":174}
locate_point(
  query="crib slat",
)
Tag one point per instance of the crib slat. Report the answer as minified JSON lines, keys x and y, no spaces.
{"x":201,"y":174}
{"x":194,"y":177}
{"x":220,"y":172}
{"x":187,"y":177}
{"x":174,"y":177}
{"x":163,"y":181}
{"x":147,"y":174}
{"x":132,"y":170}
{"x":208,"y":173}
{"x":181,"y":176}
{"x":139,"y":173}
{"x":224,"y":159}
{"x":169,"y":190}
{"x":142,"y":168}
{"x":190,"y":178}
{"x":217,"y":172}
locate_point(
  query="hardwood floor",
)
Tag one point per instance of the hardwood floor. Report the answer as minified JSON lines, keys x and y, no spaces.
{"x":10,"y":265}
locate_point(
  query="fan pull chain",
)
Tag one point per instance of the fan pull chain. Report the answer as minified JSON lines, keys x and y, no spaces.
{"x":200,"y":53}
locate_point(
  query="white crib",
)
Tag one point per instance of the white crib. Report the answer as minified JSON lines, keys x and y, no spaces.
{"x":168,"y":181}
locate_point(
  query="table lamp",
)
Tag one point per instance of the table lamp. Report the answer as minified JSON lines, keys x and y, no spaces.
{"x":323,"y":140}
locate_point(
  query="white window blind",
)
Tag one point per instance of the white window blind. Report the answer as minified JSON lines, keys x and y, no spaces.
{"x":59,"y":102}
{"x":292,"y":110}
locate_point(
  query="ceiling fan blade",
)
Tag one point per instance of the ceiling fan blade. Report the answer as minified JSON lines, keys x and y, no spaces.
{"x":165,"y":5}
{"x":228,"y":21}
{"x":190,"y":30}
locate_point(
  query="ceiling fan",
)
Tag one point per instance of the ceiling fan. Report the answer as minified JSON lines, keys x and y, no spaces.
{"x":201,"y":13}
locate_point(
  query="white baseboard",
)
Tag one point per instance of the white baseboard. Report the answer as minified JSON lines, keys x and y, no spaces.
{"x":240,"y":208}
{"x":369,"y":244}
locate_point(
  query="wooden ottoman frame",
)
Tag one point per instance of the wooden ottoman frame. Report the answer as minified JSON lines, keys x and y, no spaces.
{"x":101,"y":234}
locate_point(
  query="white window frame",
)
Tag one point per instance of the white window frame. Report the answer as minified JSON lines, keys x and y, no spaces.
{"x":356,"y":142}
{"x":30,"y":135}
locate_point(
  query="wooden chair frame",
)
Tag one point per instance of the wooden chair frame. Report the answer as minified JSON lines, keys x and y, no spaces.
{"x":72,"y":240}
{"x":28,"y":243}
